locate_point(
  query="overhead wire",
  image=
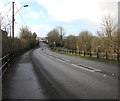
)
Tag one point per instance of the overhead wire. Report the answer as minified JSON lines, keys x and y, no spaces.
{"x":7,"y":11}
{"x":6,"y":14}
{"x":20,"y":15}
{"x":15,"y":13}
{"x":5,"y":5}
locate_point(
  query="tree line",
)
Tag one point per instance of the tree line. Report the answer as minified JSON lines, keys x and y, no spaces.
{"x":107,"y":39}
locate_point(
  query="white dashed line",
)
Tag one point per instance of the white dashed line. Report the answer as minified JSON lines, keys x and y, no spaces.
{"x":67,"y":60}
{"x":60,"y":60}
{"x":104,"y":75}
{"x":90,"y":68}
{"x":82,"y":68}
{"x":45,"y":54}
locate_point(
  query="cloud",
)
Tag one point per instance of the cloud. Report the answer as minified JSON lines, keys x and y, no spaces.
{"x":42,"y":14}
{"x":41,"y":29}
{"x":63,"y":12}
{"x":71,"y":10}
{"x":34,"y":15}
{"x":1,"y":5}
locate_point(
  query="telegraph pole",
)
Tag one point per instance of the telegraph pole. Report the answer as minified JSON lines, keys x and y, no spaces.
{"x":13,"y":20}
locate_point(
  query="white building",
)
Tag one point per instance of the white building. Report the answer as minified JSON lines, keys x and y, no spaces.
{"x":41,"y":39}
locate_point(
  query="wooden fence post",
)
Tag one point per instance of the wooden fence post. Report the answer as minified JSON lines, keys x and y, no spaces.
{"x":118,"y":56}
{"x":106,"y":55}
{"x":97,"y":54}
{"x":90,"y":54}
{"x":84,"y":53}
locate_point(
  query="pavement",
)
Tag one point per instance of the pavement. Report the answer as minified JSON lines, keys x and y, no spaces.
{"x":21,"y":81}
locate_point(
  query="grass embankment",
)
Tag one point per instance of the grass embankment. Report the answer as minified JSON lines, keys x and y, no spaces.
{"x":87,"y":57}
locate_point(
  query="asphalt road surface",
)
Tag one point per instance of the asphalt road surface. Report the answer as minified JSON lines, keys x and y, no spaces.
{"x":68,"y":77}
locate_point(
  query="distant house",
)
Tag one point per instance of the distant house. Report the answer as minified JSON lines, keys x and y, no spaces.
{"x":41,"y":39}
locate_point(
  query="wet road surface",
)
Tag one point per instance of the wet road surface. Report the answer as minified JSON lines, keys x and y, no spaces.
{"x":21,"y":82}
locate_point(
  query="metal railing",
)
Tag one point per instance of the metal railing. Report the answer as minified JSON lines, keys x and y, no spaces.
{"x":4,"y":62}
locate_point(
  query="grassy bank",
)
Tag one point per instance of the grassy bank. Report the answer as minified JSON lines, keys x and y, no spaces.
{"x":87,"y":57}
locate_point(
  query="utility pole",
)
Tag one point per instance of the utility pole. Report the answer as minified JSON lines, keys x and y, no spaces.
{"x":13,"y":26}
{"x":13,"y":20}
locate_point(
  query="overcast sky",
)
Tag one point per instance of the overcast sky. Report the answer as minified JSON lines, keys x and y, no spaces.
{"x":73,"y":15}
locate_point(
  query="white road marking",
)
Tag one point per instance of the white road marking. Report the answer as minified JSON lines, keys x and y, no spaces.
{"x":91,"y":68}
{"x":97,"y":70}
{"x":60,"y":60}
{"x":78,"y":66}
{"x":50,"y":55}
{"x":45,"y":53}
{"x":65,"y":59}
{"x":104,"y":75}
{"x":82,"y":68}
{"x":55,"y":56}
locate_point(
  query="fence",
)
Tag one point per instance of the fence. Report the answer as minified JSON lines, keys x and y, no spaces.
{"x":4,"y":61}
{"x":113,"y":56}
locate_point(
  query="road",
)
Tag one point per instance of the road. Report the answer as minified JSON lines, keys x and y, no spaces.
{"x":77,"y":78}
{"x":67,"y":77}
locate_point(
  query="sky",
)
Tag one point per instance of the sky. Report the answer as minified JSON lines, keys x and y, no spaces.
{"x":41,"y":16}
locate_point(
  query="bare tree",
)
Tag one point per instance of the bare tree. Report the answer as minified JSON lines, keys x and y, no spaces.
{"x":25,"y":32}
{"x":84,"y":41}
{"x":70,"y":42}
{"x":28,"y":37}
{"x":61,"y":34}
{"x":53,"y":38}
{"x":109,"y":34}
{"x":96,"y":43}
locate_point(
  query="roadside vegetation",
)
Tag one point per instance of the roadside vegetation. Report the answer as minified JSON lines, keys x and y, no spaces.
{"x":104,"y":46}
{"x":26,"y":40}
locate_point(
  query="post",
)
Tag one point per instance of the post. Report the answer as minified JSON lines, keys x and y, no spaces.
{"x":13,"y":25}
{"x":84,"y":52}
{"x":13,"y":20}
{"x":0,"y":58}
{"x":90,"y":54}
{"x":118,"y":56}
{"x":106,"y":55}
{"x":98,"y":51}
{"x":97,"y":54}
